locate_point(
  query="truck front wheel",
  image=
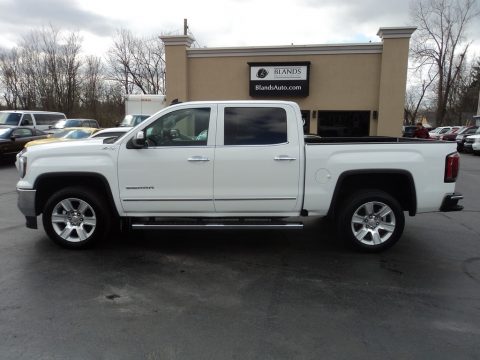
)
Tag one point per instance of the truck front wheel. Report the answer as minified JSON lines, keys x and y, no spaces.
{"x":75,"y":217}
{"x":370,"y":220}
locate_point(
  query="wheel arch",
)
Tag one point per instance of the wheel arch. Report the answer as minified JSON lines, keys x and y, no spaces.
{"x":49,"y":183}
{"x":396,"y":182}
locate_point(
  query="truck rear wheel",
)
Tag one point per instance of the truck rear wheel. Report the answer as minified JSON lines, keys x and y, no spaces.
{"x":76,"y":217}
{"x":370,"y":220}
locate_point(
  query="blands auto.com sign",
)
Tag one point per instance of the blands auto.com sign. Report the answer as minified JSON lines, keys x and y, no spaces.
{"x":279,"y":79}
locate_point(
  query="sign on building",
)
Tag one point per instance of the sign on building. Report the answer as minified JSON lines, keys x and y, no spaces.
{"x":279,"y":79}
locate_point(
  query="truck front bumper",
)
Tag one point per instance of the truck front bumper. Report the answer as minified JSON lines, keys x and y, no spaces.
{"x":26,"y":204}
{"x":450,"y":203}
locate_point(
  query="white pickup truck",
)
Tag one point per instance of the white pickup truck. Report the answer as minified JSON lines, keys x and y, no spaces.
{"x":234,"y":165}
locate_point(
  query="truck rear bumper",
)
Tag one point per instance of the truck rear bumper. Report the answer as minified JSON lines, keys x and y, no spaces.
{"x":26,"y":204}
{"x":450,"y":203}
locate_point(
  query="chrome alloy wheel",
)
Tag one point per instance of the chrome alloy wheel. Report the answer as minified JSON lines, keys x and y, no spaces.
{"x":73,"y":220}
{"x":373,"y":223}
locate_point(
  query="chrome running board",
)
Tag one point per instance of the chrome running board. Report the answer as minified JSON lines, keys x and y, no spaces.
{"x":216,"y":226}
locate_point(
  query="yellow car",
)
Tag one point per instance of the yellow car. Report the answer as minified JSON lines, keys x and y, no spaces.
{"x":65,"y":135}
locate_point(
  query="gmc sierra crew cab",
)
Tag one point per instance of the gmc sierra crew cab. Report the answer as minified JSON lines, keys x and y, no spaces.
{"x":234,"y":165}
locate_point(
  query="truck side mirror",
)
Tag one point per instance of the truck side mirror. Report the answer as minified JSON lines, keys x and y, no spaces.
{"x":138,"y":141}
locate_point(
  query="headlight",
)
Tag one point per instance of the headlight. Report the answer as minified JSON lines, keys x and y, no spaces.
{"x":477,"y":140}
{"x":22,"y":166}
{"x":24,"y":150}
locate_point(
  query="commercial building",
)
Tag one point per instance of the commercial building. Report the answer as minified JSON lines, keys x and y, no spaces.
{"x":342,"y":89}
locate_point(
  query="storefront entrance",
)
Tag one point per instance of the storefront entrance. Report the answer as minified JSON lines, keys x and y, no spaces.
{"x":343,"y":123}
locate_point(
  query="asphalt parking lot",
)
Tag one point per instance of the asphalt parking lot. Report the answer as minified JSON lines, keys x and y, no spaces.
{"x":244,"y":295}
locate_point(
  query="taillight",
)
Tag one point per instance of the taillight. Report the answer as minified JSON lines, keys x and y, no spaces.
{"x":452,"y":164}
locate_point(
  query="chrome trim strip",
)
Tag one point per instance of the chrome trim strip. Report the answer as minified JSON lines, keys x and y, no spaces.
{"x":284,"y":158}
{"x":163,"y":199}
{"x":224,"y":199}
{"x":217,"y":226}
{"x":198,"y":158}
{"x":180,"y":147}
{"x":456,"y":197}
{"x":257,"y":199}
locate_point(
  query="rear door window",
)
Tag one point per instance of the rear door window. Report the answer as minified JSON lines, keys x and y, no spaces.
{"x":255,"y":126}
{"x":48,"y":119}
{"x":27,"y":120}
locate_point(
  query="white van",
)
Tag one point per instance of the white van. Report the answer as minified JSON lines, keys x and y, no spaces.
{"x":141,"y":107}
{"x":41,"y":120}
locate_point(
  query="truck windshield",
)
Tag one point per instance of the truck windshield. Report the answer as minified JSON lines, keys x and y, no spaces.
{"x":10,"y":118}
{"x":133,"y":120}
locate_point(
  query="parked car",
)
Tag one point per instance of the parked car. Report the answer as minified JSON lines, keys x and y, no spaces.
{"x":41,"y":120}
{"x":451,"y":134}
{"x":476,"y":145}
{"x":461,"y":136}
{"x":408,"y":130}
{"x":435,"y":134}
{"x":472,"y":143}
{"x":115,"y":132}
{"x":69,"y":123}
{"x":14,"y":138}
{"x":65,"y":135}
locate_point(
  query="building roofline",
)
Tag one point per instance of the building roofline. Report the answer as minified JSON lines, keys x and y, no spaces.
{"x":320,"y":49}
{"x":184,"y":40}
{"x":396,"y":32}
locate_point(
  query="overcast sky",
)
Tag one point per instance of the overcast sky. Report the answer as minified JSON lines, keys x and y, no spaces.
{"x":213,"y":22}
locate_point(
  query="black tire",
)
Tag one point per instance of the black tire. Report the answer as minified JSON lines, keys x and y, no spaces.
{"x":86,"y":221}
{"x":370,"y":220}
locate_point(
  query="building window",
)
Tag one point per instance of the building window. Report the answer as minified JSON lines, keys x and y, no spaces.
{"x":343,"y":123}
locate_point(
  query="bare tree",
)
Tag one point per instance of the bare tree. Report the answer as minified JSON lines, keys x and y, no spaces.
{"x":119,"y":60}
{"x":440,"y":42}
{"x":9,"y":71}
{"x":69,"y":73}
{"x":29,"y":65}
{"x":419,"y":84}
{"x":137,"y":63}
{"x":150,"y":65}
{"x":92,"y":83}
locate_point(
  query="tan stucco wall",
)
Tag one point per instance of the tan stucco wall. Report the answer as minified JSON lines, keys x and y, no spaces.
{"x":393,"y":81}
{"x":177,"y":74}
{"x":337,"y":82}
{"x":356,"y":80}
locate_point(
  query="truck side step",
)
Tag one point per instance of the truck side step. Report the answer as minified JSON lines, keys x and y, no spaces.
{"x":212,"y":225}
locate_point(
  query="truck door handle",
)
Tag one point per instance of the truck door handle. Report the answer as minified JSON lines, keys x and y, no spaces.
{"x":198,"y":158}
{"x":284,"y":158}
